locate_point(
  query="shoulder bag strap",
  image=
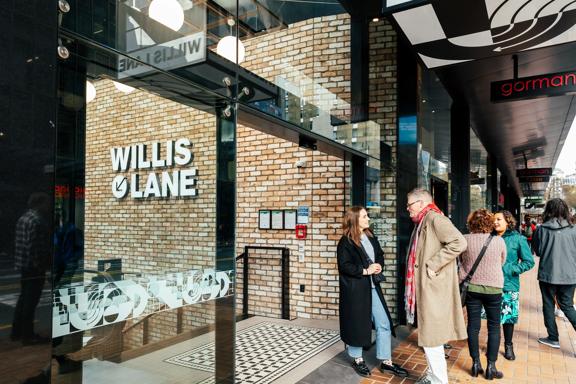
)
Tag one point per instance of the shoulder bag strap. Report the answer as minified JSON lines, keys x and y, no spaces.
{"x":478,"y":259}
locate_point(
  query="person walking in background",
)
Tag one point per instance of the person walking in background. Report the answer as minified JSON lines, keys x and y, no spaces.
{"x":555,"y":243}
{"x":362,"y":304}
{"x":528,"y":228}
{"x":431,"y":283}
{"x":518,"y":260}
{"x":32,"y":252}
{"x":485,"y":289}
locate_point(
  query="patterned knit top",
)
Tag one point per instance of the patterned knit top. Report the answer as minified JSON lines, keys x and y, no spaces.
{"x":489,"y":271}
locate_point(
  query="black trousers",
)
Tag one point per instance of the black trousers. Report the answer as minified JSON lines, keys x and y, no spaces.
{"x":564,"y":295}
{"x":31,"y":284}
{"x":492,"y":304}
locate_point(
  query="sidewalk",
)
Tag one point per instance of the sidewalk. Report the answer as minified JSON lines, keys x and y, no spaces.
{"x":535,"y":363}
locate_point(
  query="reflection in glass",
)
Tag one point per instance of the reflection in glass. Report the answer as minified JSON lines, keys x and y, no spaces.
{"x":434,"y":139}
{"x":478,"y":174}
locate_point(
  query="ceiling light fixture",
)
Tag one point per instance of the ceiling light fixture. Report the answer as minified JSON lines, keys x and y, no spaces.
{"x":123,"y":87}
{"x":227,"y":46}
{"x":167,"y":12}
{"x":90,"y":92}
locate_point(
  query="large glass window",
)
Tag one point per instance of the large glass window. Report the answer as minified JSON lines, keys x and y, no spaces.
{"x":434,"y":138}
{"x":143,"y":245}
{"x":478,"y":174}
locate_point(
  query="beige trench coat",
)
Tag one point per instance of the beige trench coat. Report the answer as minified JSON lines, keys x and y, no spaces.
{"x":438,"y":306}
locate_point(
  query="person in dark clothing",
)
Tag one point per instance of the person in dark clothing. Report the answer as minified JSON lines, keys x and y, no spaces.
{"x":555,"y":243}
{"x":362,"y":303}
{"x":31,"y":257}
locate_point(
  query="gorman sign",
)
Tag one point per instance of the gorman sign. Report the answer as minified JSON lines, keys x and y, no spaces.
{"x":555,"y":84}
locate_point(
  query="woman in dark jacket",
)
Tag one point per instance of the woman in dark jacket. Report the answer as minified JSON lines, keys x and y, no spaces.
{"x":555,"y":242}
{"x":362,"y":304}
{"x":518,"y":260}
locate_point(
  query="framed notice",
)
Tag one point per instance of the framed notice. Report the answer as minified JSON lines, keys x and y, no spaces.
{"x":289,"y":219}
{"x":264,"y":219}
{"x":277,"y":220}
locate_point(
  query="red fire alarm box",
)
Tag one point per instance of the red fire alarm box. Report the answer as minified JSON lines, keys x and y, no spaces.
{"x":300,"y":231}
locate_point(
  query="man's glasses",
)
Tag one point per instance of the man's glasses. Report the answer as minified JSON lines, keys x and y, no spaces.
{"x":412,"y":203}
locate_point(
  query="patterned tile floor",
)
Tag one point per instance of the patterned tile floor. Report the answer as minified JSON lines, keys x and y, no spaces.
{"x":265,"y":351}
{"x":535,"y":363}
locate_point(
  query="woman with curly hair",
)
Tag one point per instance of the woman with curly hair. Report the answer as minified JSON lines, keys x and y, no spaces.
{"x":518,"y":260}
{"x":485,"y":289}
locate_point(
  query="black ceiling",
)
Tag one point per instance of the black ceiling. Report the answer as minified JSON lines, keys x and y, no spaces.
{"x":470,"y":43}
{"x":513,"y":131}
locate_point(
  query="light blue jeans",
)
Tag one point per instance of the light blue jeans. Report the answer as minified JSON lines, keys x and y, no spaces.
{"x":383,"y":332}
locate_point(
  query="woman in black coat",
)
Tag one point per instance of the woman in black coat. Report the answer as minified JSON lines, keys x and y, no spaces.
{"x":362,"y":305}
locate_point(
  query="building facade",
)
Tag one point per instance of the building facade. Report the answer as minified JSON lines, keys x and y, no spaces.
{"x":174,"y":173}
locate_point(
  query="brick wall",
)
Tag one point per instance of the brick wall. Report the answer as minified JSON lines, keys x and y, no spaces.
{"x":383,"y":111}
{"x":143,"y":233}
{"x":157,"y":235}
{"x":268,"y":179}
{"x":317,"y":51}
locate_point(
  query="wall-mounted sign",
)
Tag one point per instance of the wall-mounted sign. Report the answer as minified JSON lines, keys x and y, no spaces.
{"x":264,"y":219}
{"x":553,"y":84}
{"x":528,"y":172}
{"x":289,"y":219}
{"x":303,"y":215}
{"x":534,"y":179}
{"x":277,"y":219}
{"x":534,"y":194}
{"x":169,"y":55}
{"x":174,"y":153}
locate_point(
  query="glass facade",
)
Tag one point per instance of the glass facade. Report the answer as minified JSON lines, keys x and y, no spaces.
{"x":434,"y":142}
{"x":158,"y":140}
{"x":479,"y":194}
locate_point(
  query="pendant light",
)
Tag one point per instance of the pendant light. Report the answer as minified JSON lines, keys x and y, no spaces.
{"x":167,"y":12}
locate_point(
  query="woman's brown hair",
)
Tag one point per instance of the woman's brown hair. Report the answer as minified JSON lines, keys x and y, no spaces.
{"x":480,"y":221}
{"x":510,"y":220}
{"x":351,"y":224}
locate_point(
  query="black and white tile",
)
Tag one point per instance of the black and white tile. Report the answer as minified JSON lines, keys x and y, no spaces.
{"x":454,"y":31}
{"x":264,"y":351}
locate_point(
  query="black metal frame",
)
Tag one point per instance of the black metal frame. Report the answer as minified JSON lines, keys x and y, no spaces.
{"x":285,"y":279}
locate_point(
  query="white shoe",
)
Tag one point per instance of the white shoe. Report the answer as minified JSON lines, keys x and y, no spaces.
{"x":558,"y":313}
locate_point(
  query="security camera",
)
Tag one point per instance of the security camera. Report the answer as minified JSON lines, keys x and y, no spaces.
{"x":300,"y":163}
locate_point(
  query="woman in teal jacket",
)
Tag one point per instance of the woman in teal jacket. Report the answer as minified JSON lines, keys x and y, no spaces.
{"x":518,"y":260}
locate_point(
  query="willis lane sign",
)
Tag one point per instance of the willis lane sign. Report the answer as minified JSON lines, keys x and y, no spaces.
{"x":554,"y":84}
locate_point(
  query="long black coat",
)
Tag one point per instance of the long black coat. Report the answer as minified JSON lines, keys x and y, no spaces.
{"x":355,"y":292}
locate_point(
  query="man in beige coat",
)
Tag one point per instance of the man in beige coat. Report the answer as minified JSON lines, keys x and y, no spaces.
{"x":432,"y":282}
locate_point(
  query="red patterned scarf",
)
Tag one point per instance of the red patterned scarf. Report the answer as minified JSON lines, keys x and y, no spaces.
{"x":409,"y":284}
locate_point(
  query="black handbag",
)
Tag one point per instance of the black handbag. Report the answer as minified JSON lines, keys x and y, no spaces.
{"x":466,"y":282}
{"x":378,"y":278}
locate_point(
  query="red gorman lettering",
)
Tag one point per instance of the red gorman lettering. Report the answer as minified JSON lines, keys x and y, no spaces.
{"x":511,"y":87}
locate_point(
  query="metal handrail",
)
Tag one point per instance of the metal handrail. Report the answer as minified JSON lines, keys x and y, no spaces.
{"x":285,"y":279}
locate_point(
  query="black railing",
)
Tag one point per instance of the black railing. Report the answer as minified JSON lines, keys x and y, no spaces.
{"x":285,"y":279}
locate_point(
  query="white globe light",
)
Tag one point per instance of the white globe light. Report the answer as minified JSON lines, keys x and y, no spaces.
{"x":227,"y":48}
{"x":167,"y":12}
{"x":90,"y":92}
{"x":123,"y":87}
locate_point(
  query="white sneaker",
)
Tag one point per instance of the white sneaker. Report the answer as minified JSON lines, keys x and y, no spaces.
{"x":558,"y":313}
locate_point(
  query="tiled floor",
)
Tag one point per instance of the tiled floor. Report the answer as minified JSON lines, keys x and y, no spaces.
{"x":264,"y":351}
{"x":535,"y":363}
